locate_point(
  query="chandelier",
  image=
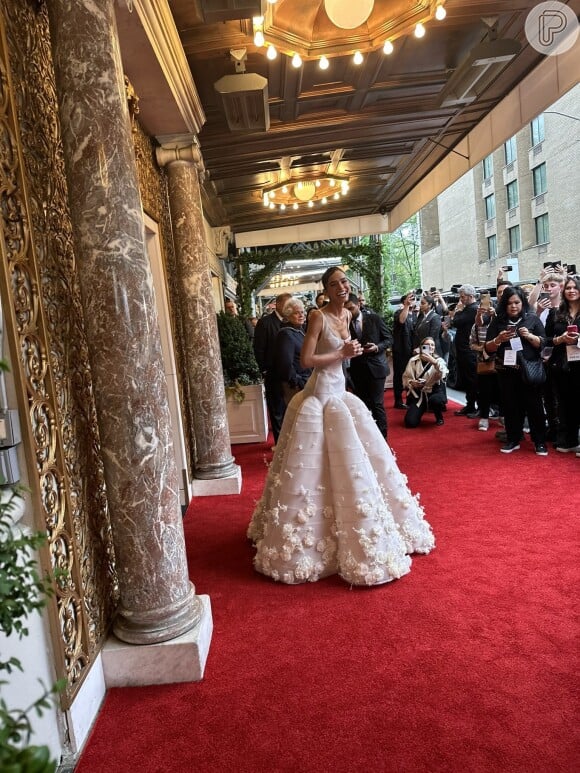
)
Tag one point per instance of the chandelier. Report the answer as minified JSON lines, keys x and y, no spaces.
{"x":305,"y":193}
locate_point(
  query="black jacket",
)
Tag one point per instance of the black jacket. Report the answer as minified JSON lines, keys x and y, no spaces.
{"x":264,"y":341}
{"x":287,"y":365}
{"x":374,"y":331}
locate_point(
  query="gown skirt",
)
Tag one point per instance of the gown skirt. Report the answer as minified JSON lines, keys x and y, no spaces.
{"x":335,"y":501}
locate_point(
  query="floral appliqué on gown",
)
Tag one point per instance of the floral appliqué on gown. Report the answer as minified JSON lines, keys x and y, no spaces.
{"x":335,"y":500}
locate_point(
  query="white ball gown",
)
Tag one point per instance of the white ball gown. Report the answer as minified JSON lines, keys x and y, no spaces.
{"x":334,"y":499}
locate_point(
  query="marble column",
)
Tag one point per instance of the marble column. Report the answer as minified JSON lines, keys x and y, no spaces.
{"x":204,"y":367}
{"x":157,"y":601}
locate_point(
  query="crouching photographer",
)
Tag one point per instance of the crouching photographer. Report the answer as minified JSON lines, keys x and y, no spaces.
{"x":424,"y":381}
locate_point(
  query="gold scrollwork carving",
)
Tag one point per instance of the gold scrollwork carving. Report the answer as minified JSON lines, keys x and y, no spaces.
{"x":53,"y":369}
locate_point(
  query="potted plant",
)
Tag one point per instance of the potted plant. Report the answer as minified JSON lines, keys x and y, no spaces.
{"x":246,"y":404}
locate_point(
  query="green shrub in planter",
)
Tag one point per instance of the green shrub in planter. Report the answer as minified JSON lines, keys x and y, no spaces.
{"x":238,"y":361}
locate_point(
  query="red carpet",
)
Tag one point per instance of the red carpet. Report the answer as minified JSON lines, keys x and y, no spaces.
{"x":469,"y":663}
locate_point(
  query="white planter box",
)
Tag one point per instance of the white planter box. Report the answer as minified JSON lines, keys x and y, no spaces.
{"x":248,"y":420}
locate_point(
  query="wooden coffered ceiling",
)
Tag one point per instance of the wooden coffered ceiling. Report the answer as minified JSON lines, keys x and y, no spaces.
{"x":382,"y":124}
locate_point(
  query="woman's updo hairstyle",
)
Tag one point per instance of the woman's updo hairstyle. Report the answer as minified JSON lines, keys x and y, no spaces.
{"x":325,"y":278}
{"x":430,"y":300}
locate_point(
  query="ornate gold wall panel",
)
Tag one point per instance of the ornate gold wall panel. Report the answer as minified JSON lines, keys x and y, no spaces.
{"x":154,"y":195}
{"x":49,"y":359}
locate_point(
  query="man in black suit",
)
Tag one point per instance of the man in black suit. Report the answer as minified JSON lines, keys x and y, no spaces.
{"x":368,"y":372}
{"x":264,"y":343}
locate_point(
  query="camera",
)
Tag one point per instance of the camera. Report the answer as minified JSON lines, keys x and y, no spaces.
{"x":507,"y":268}
{"x":426,"y":348}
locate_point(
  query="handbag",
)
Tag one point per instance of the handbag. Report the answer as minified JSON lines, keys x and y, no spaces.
{"x":533,"y":371}
{"x":485,"y":366}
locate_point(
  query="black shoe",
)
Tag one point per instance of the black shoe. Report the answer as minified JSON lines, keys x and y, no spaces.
{"x":473,"y":415}
{"x":509,"y":447}
{"x":439,"y":421}
{"x":400,"y":404}
{"x":464,"y":411}
{"x":541,"y":449}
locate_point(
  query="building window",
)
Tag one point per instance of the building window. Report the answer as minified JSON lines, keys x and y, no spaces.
{"x":490,"y":206}
{"x":537,"y":129}
{"x":488,"y":167}
{"x":492,"y":247}
{"x":539,"y":177}
{"x":513,"y":198}
{"x":542,"y":229}
{"x":510,"y":150}
{"x":515,"y":239}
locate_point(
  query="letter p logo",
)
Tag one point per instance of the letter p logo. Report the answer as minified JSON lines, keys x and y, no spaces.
{"x":551,"y":28}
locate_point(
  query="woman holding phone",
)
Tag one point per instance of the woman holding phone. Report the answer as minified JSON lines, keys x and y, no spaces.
{"x":423,"y":380}
{"x":515,"y":329}
{"x":562,"y":328}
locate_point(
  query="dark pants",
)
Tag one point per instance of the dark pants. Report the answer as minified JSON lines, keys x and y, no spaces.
{"x":276,"y":405}
{"x":400,"y":360}
{"x":518,"y":400}
{"x":467,"y":369}
{"x":487,"y":393}
{"x":434,"y":402}
{"x":372,"y":392}
{"x":567,"y":383}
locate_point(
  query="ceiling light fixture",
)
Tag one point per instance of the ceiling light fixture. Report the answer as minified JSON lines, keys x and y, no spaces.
{"x":323,"y":63}
{"x":271,"y":53}
{"x":259,"y":39}
{"x":296,"y":61}
{"x":358,"y":57}
{"x":419,"y":31}
{"x":347,"y":14}
{"x":388,"y":48}
{"x":440,"y":13}
{"x":305,"y":192}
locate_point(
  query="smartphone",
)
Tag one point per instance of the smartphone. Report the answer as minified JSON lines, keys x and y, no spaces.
{"x":512,"y":328}
{"x":507,"y":268}
{"x":571,"y":269}
{"x":543,"y":296}
{"x":572,"y":329}
{"x":485,"y":301}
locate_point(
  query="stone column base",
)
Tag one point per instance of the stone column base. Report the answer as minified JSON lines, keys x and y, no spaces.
{"x":178,"y":660}
{"x":216,"y":487}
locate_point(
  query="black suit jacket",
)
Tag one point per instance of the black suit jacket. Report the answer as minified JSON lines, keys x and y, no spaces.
{"x":374,"y":331}
{"x":264,"y":341}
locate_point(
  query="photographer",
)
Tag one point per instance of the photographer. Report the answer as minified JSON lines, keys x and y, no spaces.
{"x":423,"y":380}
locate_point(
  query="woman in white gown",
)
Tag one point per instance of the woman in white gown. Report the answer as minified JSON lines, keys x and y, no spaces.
{"x":334,"y":500}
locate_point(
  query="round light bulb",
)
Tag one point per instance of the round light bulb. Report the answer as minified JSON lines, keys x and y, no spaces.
{"x":271,"y":53}
{"x":258,"y":21}
{"x":324,"y":200}
{"x":357,"y":58}
{"x":259,"y":39}
{"x":419,"y":30}
{"x":272,"y":205}
{"x":284,"y":189}
{"x":440,"y":13}
{"x":323,"y":63}
{"x":317,"y":183}
{"x":296,"y":61}
{"x":332,"y":182}
{"x":310,"y":203}
{"x":295,"y":206}
{"x":282,"y":207}
{"x":388,"y":48}
{"x":336,"y":195}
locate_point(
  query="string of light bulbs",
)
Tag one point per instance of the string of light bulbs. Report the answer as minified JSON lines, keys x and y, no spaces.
{"x":323,"y":61}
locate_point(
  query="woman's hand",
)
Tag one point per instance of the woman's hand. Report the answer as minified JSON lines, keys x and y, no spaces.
{"x":569,"y":339}
{"x":351,"y":348}
{"x":535,"y":340}
{"x":417,"y":383}
{"x":428,"y":358}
